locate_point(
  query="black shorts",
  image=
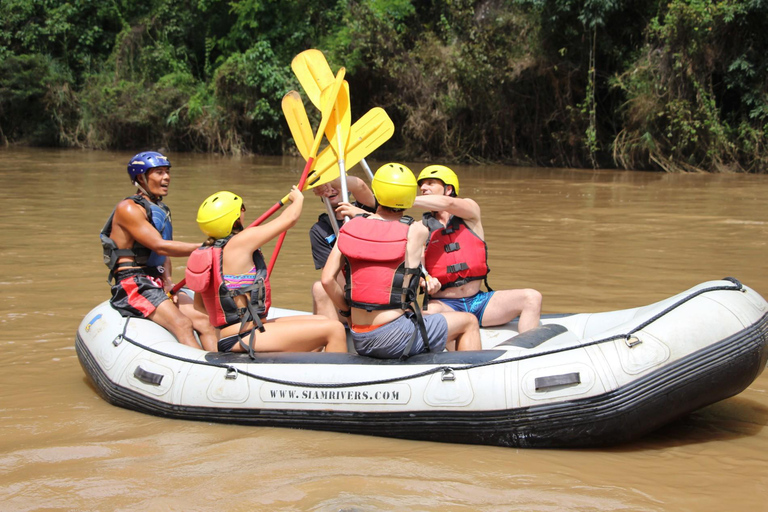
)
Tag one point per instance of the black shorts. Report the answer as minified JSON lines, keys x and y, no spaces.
{"x":137,"y":293}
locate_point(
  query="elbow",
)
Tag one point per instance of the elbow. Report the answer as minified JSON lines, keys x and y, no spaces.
{"x":327,"y":281}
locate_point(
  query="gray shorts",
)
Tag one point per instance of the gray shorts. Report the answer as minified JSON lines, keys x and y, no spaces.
{"x":389,"y":340}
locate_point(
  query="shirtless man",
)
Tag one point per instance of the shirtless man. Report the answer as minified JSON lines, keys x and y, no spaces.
{"x":383,"y":253}
{"x":138,"y":242}
{"x":458,"y":257}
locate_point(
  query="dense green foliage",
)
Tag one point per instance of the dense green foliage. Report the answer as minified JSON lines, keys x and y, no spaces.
{"x":676,"y":85}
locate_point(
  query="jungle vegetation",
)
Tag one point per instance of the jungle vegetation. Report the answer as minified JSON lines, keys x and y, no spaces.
{"x":674,"y":85}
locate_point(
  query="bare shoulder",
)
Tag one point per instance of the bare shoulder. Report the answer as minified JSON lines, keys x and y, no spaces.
{"x":471,"y":205}
{"x":418,"y":231}
{"x":129,"y":210}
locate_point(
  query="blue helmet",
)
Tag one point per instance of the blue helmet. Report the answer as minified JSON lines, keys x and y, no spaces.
{"x":145,"y":161}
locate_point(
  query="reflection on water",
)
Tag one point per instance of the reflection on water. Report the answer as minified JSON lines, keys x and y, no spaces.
{"x":588,"y":240}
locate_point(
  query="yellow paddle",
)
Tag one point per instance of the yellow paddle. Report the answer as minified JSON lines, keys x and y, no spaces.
{"x":328,"y":102}
{"x":365,"y":136}
{"x":314,"y":74}
{"x":337,"y":131}
{"x":298,"y":122}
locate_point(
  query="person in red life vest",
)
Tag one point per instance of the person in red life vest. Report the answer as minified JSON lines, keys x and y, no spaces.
{"x":381,"y":254}
{"x":137,"y":241}
{"x":457,"y":256}
{"x":322,"y":234}
{"x":229,"y":276}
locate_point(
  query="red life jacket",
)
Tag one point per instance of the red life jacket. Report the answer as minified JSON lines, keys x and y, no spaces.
{"x":455,"y":254}
{"x":375,"y":263}
{"x":205,"y":276}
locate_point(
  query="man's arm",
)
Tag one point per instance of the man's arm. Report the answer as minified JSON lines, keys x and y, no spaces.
{"x":330,"y":283}
{"x":360,"y":190}
{"x":131,"y":219}
{"x":462,"y":207}
{"x":414,"y":249}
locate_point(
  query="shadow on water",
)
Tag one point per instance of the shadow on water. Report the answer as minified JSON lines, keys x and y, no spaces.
{"x":734,"y":418}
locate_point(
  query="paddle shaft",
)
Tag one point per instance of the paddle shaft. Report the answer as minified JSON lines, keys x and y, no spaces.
{"x":302,"y":181}
{"x":325,"y":111}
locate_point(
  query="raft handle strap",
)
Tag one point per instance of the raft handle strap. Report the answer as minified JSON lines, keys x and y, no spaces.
{"x":147,"y":377}
{"x":556,"y":381}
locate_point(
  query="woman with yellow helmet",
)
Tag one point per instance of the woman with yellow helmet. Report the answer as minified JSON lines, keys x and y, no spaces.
{"x":229,"y":275}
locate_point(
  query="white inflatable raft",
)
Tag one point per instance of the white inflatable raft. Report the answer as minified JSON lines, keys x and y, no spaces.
{"x":577,"y":380}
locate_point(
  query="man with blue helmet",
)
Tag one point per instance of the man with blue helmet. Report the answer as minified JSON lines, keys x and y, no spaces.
{"x":137,"y":240}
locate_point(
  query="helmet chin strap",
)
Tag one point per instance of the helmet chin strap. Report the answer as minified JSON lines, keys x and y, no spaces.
{"x":152,"y":197}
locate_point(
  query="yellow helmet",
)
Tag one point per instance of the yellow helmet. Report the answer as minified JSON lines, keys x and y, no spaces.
{"x":394,"y":186}
{"x":218,"y":214}
{"x":442,"y":173}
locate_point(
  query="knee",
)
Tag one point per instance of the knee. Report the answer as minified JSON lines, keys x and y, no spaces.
{"x":203,"y":325}
{"x":470,"y":322}
{"x":532,"y":298}
{"x":181,"y":323}
{"x":339,"y":330}
{"x":318,"y":292}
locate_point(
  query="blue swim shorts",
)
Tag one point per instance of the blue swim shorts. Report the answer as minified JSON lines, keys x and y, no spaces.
{"x":389,"y":340}
{"x":475,"y":304}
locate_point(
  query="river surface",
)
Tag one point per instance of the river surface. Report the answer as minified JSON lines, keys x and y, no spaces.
{"x":588,"y":240}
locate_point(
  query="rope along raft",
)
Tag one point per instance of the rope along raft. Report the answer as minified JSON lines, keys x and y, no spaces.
{"x":737,"y":286}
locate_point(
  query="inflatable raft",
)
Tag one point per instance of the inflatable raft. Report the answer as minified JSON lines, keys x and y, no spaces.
{"x":577,"y":380}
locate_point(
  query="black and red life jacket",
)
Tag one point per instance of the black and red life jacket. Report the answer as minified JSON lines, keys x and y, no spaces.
{"x":159,"y":215}
{"x":375,"y":263}
{"x":205,"y":276}
{"x":375,"y":269}
{"x":455,"y":254}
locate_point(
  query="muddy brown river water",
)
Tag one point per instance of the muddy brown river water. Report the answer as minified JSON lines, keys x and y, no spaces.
{"x":588,"y":240}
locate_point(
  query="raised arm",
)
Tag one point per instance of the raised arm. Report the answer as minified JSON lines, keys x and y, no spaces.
{"x":462,"y":207}
{"x":360,"y":190}
{"x":253,"y":238}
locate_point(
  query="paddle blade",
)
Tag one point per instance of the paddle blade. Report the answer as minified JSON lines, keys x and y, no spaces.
{"x":313,"y":72}
{"x":337,"y":130}
{"x":366,"y":135}
{"x":369,"y":133}
{"x":298,"y":122}
{"x":327,"y":103}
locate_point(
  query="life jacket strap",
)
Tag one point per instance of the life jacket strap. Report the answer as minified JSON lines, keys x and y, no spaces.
{"x":249,"y":314}
{"x":411,"y":303}
{"x":457,"y":267}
